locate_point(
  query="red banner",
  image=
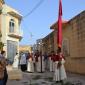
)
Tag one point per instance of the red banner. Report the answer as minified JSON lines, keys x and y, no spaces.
{"x":59,"y":32}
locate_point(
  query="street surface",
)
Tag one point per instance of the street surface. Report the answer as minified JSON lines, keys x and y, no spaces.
{"x":46,"y":79}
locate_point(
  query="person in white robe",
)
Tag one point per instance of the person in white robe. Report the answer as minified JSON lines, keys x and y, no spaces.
{"x":52,"y":57}
{"x":40,"y":67}
{"x":51,"y":62}
{"x":59,"y":73}
{"x":41,"y":63}
{"x":16,"y":61}
{"x":30,"y":63}
{"x":45,"y":61}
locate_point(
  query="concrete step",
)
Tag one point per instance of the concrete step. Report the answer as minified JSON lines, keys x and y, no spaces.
{"x":14,"y":74}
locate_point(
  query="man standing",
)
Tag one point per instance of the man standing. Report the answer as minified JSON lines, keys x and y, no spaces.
{"x":30,"y":66}
{"x":23,"y":62}
{"x":36,"y":56}
{"x":39,"y":62}
{"x":45,"y":61}
{"x":3,"y":64}
{"x":59,"y":73}
{"x":51,"y":62}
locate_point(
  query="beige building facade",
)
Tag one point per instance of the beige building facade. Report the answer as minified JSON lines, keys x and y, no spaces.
{"x":11,"y":31}
{"x":74,"y":44}
{"x":1,"y":4}
{"x":48,"y":43}
{"x":25,"y":48}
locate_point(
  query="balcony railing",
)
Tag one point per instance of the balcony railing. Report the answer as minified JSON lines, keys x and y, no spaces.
{"x":16,"y":34}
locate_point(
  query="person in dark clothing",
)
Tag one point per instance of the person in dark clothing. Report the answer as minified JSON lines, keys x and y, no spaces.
{"x":5,"y":71}
{"x":1,"y":71}
{"x":46,"y":61}
{"x":5,"y":76}
{"x":23,"y":62}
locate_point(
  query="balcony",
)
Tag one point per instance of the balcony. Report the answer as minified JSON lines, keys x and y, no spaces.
{"x":17,"y":34}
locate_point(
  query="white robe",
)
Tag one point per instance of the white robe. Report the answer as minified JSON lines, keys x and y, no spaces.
{"x":53,"y":66}
{"x":50,"y":64}
{"x":38,"y":64}
{"x":43,"y":64}
{"x":59,"y":74}
{"x":16,"y":62}
{"x":30,"y":65}
{"x":23,"y":59}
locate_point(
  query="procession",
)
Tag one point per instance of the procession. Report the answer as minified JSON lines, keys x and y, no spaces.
{"x":36,"y":62}
{"x":32,"y":54}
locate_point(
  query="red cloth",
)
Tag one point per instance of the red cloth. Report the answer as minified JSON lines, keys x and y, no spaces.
{"x":49,"y":55}
{"x":53,"y":57}
{"x":59,"y":33}
{"x":36,"y":57}
{"x":30,"y":57}
{"x":58,"y":57}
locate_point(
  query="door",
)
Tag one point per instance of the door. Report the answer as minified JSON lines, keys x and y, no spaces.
{"x":11,"y":50}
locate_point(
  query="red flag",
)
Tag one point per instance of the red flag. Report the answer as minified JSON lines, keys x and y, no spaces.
{"x":59,"y":32}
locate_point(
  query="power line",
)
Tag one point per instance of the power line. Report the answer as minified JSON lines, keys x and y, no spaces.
{"x":36,"y":6}
{"x":29,"y":13}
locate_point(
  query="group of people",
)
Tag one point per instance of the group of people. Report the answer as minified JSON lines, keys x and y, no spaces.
{"x":54,"y":62}
{"x":32,"y":62}
{"x":57,"y":66}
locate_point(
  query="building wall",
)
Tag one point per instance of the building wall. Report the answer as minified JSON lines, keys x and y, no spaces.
{"x":39,"y":45}
{"x":34,"y":48}
{"x":55,"y":40}
{"x":25,"y":48}
{"x":1,"y":3}
{"x":5,"y":19}
{"x":75,"y":33}
{"x":48,"y":43}
{"x":73,"y":45}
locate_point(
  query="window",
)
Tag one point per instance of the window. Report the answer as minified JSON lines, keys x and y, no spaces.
{"x":65,"y":47}
{"x":11,"y":25}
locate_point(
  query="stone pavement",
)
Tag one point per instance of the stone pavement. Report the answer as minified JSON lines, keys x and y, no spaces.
{"x":14,"y":73}
{"x":46,"y":79}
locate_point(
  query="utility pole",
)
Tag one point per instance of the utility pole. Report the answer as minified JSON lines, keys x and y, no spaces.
{"x":41,"y":62}
{"x":40,"y":53}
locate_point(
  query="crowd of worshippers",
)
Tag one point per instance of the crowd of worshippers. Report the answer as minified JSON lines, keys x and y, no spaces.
{"x":35,"y":62}
{"x":52,"y":62}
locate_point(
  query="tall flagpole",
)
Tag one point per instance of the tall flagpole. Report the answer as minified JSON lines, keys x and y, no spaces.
{"x":59,"y":32}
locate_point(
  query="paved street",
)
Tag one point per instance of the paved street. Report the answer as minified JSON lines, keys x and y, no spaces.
{"x":46,"y":79}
